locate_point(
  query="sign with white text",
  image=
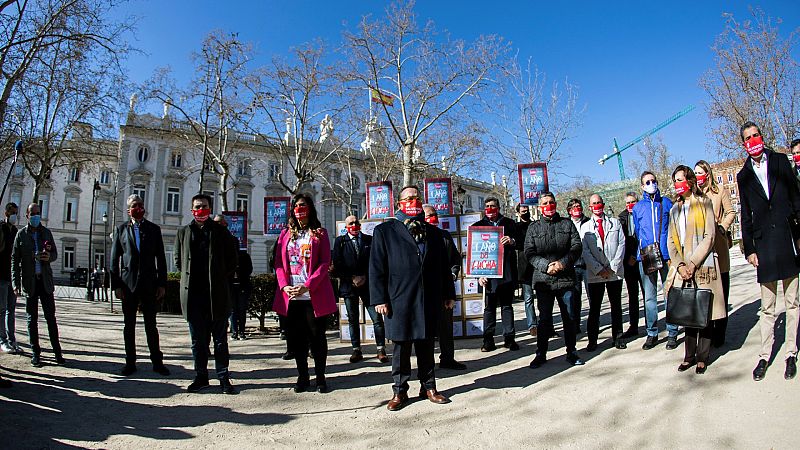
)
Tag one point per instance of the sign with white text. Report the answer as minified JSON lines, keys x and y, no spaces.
{"x":484,"y":252}
{"x":276,"y":214}
{"x":532,"y":182}
{"x":439,"y":194}
{"x":379,"y":200}
{"x":237,"y":225}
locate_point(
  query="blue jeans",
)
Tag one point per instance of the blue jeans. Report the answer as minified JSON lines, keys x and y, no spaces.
{"x":353,"y":320}
{"x":241,"y":299}
{"x":575,"y":304}
{"x":651,"y":301}
{"x":530,"y":310}
{"x":202,"y":330}
{"x":8,"y":304}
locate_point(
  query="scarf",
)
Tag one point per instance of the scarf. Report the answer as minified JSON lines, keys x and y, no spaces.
{"x":696,"y":219}
{"x":415,"y":225}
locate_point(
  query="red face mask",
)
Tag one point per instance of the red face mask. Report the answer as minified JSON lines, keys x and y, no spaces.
{"x":201,"y":215}
{"x":575,"y":212}
{"x":411,"y":207}
{"x":597,"y":210}
{"x":137,"y":213}
{"x":701,"y":179}
{"x":433,"y":220}
{"x":492,"y":212}
{"x":754,"y":146}
{"x":796,"y":160}
{"x":301,"y":212}
{"x":548,"y":210}
{"x":681,"y":187}
{"x":630,"y":206}
{"x":353,"y":229}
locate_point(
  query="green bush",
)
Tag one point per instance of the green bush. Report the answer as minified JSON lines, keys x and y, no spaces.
{"x":261,"y":297}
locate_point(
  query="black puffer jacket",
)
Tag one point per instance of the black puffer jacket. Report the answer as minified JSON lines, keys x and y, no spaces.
{"x":550,"y":240}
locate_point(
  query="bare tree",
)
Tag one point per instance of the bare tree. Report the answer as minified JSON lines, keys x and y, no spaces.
{"x":214,"y":105}
{"x":426,"y":72}
{"x":654,"y":156}
{"x":756,"y":78}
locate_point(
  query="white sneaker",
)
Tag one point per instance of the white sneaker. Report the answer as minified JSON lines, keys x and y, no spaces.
{"x":7,"y":348}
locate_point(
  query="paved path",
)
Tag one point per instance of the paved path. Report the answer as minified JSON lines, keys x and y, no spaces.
{"x":619,"y":399}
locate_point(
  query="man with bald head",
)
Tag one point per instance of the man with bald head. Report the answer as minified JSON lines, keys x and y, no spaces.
{"x":603,"y":242}
{"x":351,"y":265}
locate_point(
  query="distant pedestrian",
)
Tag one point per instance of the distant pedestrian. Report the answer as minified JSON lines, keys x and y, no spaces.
{"x":8,"y":300}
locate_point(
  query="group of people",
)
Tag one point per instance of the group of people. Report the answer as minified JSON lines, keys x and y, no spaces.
{"x":404,"y":274}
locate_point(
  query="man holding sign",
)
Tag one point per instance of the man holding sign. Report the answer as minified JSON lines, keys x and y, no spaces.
{"x":499,"y":291}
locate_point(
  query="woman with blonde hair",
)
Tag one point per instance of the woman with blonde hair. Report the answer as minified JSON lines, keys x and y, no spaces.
{"x":692,"y":231}
{"x":724,"y":215}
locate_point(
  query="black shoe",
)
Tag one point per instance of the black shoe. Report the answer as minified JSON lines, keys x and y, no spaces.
{"x":60,"y":359}
{"x":227,"y":387}
{"x":511,"y":345}
{"x":322,"y":386}
{"x":235,"y":336}
{"x":356,"y":356}
{"x":686,"y":365}
{"x":631,"y":332}
{"x":556,"y":334}
{"x":488,"y":347}
{"x":36,"y":361}
{"x":128,"y":370}
{"x":620,"y":344}
{"x":650,"y":342}
{"x":760,"y":370}
{"x":672,"y":342}
{"x":198,"y":384}
{"x":574,"y":359}
{"x":700,"y":370}
{"x":287,"y":356}
{"x":161,"y":369}
{"x":453,"y":365}
{"x":538,"y":361}
{"x":301,"y":385}
{"x":791,"y":368}
{"x":591,"y":347}
{"x":242,"y":337}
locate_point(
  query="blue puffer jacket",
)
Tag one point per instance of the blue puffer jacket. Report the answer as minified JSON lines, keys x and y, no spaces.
{"x":651,"y":218}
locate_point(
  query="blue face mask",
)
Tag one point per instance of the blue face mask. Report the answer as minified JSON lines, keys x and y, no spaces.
{"x":35,"y":220}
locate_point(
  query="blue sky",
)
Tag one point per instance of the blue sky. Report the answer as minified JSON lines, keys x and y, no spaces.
{"x":636,"y":62}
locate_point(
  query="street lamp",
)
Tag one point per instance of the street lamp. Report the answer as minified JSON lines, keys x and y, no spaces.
{"x":105,"y":254}
{"x":89,"y":285}
{"x":460,"y":192}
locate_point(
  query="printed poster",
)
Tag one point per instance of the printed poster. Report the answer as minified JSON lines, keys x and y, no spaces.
{"x":379,"y":200}
{"x":532,"y":182}
{"x":439,"y":194}
{"x":237,"y":225}
{"x":484,"y":252}
{"x":276,"y":213}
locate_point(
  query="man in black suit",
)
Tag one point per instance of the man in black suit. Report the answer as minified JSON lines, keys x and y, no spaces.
{"x":500,"y":291}
{"x":139,"y":279}
{"x":769,"y":194}
{"x":633,"y":281}
{"x":410,"y":279}
{"x":351,"y":262}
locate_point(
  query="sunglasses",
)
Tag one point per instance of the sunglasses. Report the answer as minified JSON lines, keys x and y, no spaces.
{"x":649,"y":182}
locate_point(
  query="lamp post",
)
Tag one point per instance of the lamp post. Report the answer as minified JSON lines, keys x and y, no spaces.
{"x":460,"y":191}
{"x":105,"y":254}
{"x":89,"y":284}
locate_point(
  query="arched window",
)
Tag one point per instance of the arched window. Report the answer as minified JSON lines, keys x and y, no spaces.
{"x":143,"y":154}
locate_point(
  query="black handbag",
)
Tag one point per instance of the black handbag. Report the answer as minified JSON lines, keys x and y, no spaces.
{"x":689,"y":306}
{"x":651,"y":258}
{"x":794,"y":230}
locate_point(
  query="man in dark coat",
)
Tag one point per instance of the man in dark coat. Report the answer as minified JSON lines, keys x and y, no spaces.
{"x":769,"y":194}
{"x":351,"y":265}
{"x":447,"y":348}
{"x":409,"y":280}
{"x":499,"y":291}
{"x":139,"y":279}
{"x":575,"y":211}
{"x":524,"y":269}
{"x":206,"y":260}
{"x":552,"y":246}
{"x":633,"y":281}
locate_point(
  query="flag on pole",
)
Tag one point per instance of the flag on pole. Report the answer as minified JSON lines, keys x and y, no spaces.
{"x":379,"y":97}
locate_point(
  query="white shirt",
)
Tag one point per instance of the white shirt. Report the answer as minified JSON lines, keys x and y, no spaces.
{"x":682,"y":223}
{"x":761,"y":173}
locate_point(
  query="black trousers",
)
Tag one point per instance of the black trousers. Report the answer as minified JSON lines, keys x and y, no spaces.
{"x":547,"y":298}
{"x":401,"y":365}
{"x":503,"y":297}
{"x":698,"y":344}
{"x":303,"y":330}
{"x":720,"y":326}
{"x":446,"y":344}
{"x":202,"y":329}
{"x":633,"y":281}
{"x":49,"y":311}
{"x":595,"y":291}
{"x":130,"y":304}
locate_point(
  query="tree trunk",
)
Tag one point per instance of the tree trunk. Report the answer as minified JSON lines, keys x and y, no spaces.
{"x":37,"y":185}
{"x":408,"y":165}
{"x":223,"y":194}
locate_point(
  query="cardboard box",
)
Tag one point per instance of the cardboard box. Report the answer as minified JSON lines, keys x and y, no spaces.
{"x":458,"y":285}
{"x":458,"y":310}
{"x":465,"y":221}
{"x":343,"y":317}
{"x":458,"y":329}
{"x":344,"y":332}
{"x":474,"y":327}
{"x":471,"y":287}
{"x":449,"y":224}
{"x":473,"y":308}
{"x":368,"y":334}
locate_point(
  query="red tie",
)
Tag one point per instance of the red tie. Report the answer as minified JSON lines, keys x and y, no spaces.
{"x":601,"y":232}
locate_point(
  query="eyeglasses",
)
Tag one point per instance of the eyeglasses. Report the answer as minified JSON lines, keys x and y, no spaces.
{"x":649,"y":182}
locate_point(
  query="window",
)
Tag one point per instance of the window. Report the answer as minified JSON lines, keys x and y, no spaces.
{"x":356,"y":182}
{"x":480,"y":202}
{"x":719,"y":179}
{"x":143,"y":154}
{"x":102,"y":208}
{"x":44,"y":205}
{"x":19,"y":169}
{"x":169,"y":252}
{"x":733,"y":192}
{"x":274,"y":171}
{"x":243,"y":169}
{"x":140,"y":190}
{"x":469,"y":202}
{"x":173,"y":200}
{"x":176,"y":160}
{"x":74,"y":174}
{"x":16,"y":198}
{"x":99,"y":257}
{"x":210,"y":166}
{"x":336,"y":176}
{"x":105,"y":177}
{"x":242,"y":202}
{"x":213,"y":195}
{"x":71,"y":210}
{"x":730,"y":178}
{"x":69,"y":257}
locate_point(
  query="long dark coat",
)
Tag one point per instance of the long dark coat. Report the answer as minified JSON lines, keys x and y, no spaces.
{"x":414,"y":286}
{"x":509,"y":253}
{"x":765,"y":229}
{"x":347,"y":263}
{"x":138,"y":270}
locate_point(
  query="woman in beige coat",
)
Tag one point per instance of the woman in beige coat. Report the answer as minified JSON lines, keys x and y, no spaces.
{"x":724,"y":215}
{"x":692,"y":230}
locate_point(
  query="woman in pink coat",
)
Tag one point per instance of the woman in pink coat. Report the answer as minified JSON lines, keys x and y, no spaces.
{"x":305,"y":294}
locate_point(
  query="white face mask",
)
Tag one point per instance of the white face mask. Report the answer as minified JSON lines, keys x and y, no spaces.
{"x":651,"y":188}
{"x":12,"y":219}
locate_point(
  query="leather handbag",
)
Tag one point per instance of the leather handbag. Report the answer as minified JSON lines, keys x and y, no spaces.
{"x":651,"y":258}
{"x":689,"y":306}
{"x":794,"y":230}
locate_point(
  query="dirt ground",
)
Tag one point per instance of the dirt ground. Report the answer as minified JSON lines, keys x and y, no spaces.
{"x":620,"y":399}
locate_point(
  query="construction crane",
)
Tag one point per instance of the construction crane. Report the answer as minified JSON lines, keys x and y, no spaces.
{"x":618,"y":150}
